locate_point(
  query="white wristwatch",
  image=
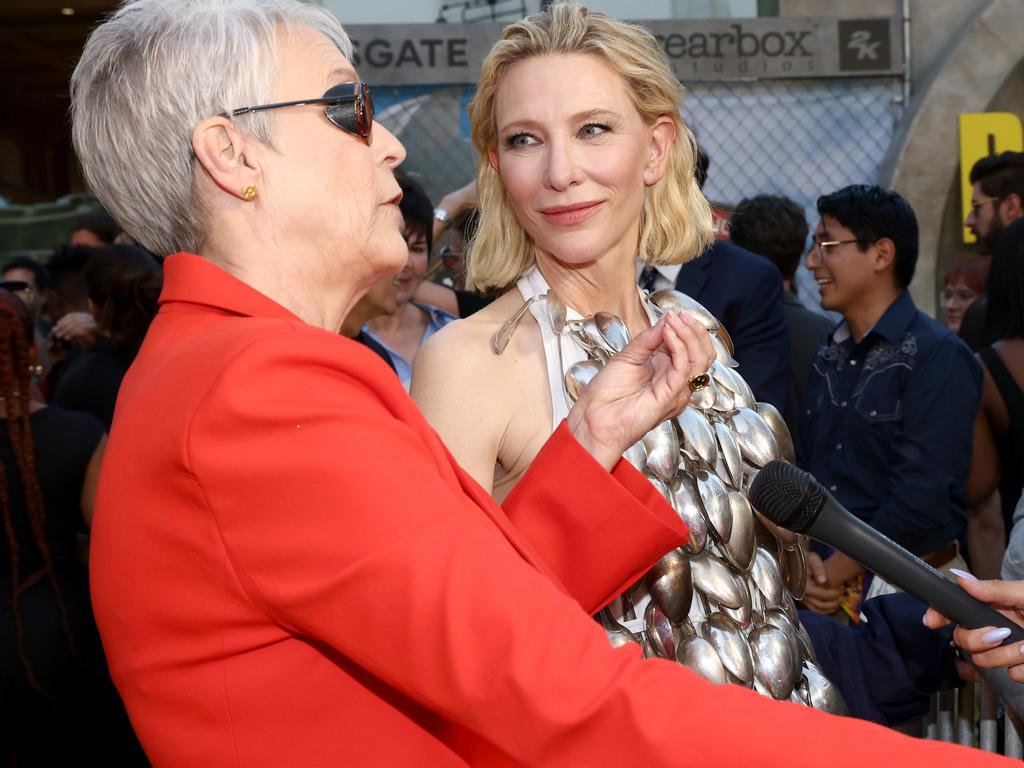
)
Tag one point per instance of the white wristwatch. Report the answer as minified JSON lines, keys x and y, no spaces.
{"x":440,"y":214}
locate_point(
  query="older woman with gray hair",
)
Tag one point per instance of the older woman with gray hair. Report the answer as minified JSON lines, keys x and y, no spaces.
{"x":288,"y":567}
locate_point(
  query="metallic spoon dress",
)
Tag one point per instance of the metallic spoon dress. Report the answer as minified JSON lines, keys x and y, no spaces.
{"x":723,"y":604}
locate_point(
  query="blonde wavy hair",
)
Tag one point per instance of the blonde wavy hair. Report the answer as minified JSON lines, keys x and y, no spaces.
{"x":675,"y":222}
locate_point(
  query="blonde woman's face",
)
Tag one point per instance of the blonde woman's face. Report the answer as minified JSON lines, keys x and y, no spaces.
{"x":575,"y":156}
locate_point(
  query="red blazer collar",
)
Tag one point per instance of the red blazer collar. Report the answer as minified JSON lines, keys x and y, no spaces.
{"x":194,"y":280}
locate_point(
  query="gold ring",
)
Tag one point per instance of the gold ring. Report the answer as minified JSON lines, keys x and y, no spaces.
{"x":699,"y":382}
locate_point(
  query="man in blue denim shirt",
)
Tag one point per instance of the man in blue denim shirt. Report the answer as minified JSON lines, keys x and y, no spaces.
{"x":887,"y":418}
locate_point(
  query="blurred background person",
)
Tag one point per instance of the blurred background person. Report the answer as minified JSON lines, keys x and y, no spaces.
{"x":72,"y":326}
{"x":29,"y":280}
{"x":775,"y":227}
{"x":744,"y":291}
{"x":51,"y":669}
{"x":95,"y":230}
{"x":997,"y":465}
{"x":124,"y":285}
{"x":997,"y":200}
{"x":962,"y":285}
{"x":381,"y":299}
{"x":402,"y":332}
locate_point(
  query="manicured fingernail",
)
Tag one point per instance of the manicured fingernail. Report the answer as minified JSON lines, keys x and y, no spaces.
{"x":963,"y":574}
{"x":994,"y":636}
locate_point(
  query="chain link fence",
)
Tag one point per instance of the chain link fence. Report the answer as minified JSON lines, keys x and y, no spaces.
{"x":799,"y":138}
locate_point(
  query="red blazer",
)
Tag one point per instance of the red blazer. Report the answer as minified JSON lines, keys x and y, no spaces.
{"x":289,"y":569}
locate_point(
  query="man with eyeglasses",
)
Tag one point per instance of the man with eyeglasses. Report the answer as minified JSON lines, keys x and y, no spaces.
{"x":887,"y":416}
{"x":997,"y":200}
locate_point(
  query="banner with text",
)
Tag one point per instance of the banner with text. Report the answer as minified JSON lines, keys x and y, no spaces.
{"x":705,"y":49}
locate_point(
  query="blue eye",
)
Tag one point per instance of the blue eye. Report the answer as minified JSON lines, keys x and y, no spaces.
{"x":594,"y":129}
{"x":519,"y":140}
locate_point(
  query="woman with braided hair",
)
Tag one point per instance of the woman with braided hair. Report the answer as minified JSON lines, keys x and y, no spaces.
{"x":49,"y":654}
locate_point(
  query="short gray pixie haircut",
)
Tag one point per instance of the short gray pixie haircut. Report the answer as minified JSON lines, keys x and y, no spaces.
{"x":148,"y":75}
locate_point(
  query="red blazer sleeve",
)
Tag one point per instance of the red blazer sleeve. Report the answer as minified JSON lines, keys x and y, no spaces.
{"x":597,"y":533}
{"x":340,"y":523}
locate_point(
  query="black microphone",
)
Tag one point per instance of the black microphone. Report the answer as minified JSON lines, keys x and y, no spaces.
{"x":793,"y":499}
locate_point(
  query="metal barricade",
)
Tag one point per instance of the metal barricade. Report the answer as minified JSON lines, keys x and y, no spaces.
{"x":972,"y":716}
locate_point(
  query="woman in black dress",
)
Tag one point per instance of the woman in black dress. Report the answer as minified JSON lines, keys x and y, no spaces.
{"x":54,"y":705}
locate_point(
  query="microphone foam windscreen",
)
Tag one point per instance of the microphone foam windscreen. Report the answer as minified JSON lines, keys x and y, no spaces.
{"x":787,"y":495}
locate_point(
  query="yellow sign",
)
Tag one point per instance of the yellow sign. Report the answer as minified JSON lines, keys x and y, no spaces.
{"x":981,"y":135}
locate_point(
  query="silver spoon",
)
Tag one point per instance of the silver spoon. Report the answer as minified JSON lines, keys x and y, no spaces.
{"x":716,"y":505}
{"x":662,"y":446}
{"x":777,"y":424}
{"x":612,"y":330}
{"x":754,"y":436}
{"x":579,"y":375}
{"x":668,"y":299}
{"x":772,"y":654}
{"x":662,"y":636}
{"x":730,"y":452}
{"x":593,"y":334}
{"x":794,"y":571}
{"x":727,"y":639}
{"x":671,"y":586}
{"x":556,"y":311}
{"x":700,"y":656}
{"x":739,"y":550}
{"x":687,"y":504}
{"x":698,"y":436}
{"x":765,"y":573}
{"x":504,"y":334}
{"x":713,"y":578}
{"x":824,"y":696}
{"x":777,"y":618}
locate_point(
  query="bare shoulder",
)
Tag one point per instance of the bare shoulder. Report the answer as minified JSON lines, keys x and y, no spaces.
{"x":474,"y":397}
{"x":464,"y":346}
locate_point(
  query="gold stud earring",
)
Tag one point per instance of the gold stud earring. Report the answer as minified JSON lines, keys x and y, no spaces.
{"x":249,"y":193}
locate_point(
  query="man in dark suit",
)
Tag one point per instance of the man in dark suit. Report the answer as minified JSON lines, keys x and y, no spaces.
{"x":744,"y":291}
{"x":776,"y":228}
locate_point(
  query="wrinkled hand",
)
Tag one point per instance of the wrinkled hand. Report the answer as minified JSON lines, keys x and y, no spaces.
{"x":76,"y":328}
{"x":819,"y":595}
{"x":1007,"y":597}
{"x":644,"y":384}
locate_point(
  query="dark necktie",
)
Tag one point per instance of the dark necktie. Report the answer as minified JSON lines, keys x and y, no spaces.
{"x":648,"y":279}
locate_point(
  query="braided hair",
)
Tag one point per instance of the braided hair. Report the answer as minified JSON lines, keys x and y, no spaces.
{"x":16,"y":360}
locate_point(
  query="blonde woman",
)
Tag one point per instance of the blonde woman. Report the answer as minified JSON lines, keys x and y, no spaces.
{"x":587,"y":171}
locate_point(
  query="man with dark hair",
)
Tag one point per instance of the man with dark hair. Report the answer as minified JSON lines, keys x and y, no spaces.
{"x":95,"y":230}
{"x":997,"y":197}
{"x":744,"y":291}
{"x":775,"y":227}
{"x":997,"y":200}
{"x":887,"y":419}
{"x":28,"y":280}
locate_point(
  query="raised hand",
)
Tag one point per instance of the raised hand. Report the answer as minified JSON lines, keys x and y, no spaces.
{"x":644,"y":384}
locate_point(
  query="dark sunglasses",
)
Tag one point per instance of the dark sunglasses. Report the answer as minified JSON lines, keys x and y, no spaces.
{"x":348,"y":105}
{"x":15,"y":285}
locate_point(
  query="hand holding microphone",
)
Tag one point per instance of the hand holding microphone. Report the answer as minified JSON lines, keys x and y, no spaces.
{"x":793,"y":499}
{"x":985,"y":643}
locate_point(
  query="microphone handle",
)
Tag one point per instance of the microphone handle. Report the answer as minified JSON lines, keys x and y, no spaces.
{"x":839,"y":528}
